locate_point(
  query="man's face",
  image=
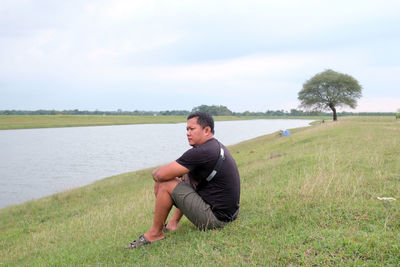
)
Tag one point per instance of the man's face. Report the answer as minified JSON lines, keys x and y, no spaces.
{"x":196,"y":134}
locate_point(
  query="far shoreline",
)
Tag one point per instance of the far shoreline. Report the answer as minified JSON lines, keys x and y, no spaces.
{"x":15,"y":122}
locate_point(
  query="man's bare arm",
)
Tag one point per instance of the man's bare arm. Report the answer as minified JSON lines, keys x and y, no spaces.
{"x":169,"y":172}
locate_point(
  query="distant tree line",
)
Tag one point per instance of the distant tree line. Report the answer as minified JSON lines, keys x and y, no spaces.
{"x":213,"y":110}
{"x":96,"y":112}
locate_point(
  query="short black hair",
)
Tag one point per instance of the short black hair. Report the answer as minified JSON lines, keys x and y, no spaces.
{"x":204,"y":119}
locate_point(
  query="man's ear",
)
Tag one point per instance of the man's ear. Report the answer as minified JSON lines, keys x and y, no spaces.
{"x":207,"y":129}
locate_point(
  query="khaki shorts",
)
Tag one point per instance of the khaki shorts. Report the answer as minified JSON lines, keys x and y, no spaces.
{"x":194,"y":208}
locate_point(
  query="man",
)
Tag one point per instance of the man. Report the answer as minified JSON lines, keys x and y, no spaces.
{"x":203,"y":184}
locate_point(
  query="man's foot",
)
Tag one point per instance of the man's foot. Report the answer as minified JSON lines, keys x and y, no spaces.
{"x":142,"y":240}
{"x":170,"y":226}
{"x":138,"y":243}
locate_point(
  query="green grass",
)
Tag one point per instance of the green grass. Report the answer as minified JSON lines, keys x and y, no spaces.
{"x":50,"y":121}
{"x":307,"y":199}
{"x":8,"y":122}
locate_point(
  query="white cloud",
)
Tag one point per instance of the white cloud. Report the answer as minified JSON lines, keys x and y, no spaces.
{"x":253,"y":54}
{"x":377,"y":104}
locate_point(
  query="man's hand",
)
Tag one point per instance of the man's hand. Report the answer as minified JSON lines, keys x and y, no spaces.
{"x":169,"y":172}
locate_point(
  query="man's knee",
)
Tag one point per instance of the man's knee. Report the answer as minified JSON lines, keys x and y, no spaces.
{"x":168,"y":186}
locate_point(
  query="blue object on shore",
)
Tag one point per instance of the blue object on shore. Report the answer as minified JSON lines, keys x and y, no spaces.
{"x":285,"y":133}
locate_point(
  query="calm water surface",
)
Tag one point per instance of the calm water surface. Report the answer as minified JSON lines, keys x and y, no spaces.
{"x":39,"y":162}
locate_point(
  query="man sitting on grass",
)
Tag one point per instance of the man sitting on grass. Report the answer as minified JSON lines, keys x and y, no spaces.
{"x":203,"y":184}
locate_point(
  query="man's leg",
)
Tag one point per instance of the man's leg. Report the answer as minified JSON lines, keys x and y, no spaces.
{"x":162,"y":209}
{"x":195,"y":208}
{"x":174,"y":221}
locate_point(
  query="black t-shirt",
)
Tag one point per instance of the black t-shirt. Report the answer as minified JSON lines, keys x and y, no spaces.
{"x":222,"y":193}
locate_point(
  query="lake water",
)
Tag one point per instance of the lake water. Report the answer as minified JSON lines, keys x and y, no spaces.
{"x":40,"y":162}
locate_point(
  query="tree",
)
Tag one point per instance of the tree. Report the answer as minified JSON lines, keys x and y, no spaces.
{"x":329,"y":90}
{"x":214,"y":110}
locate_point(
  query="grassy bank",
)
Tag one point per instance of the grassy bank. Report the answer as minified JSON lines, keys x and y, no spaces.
{"x":51,"y":121}
{"x":307,"y":199}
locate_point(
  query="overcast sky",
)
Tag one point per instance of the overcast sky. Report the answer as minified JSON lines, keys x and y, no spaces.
{"x":176,"y":54}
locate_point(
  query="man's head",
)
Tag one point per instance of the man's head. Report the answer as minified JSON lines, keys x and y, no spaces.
{"x":200,"y":128}
{"x":204,"y":119}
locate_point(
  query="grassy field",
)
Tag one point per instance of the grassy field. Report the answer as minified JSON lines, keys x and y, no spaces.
{"x":8,"y":122}
{"x":307,"y":199}
{"x":51,"y":121}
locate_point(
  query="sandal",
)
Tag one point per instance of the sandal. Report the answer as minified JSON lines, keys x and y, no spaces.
{"x":164,"y":229}
{"x":140,"y":242}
